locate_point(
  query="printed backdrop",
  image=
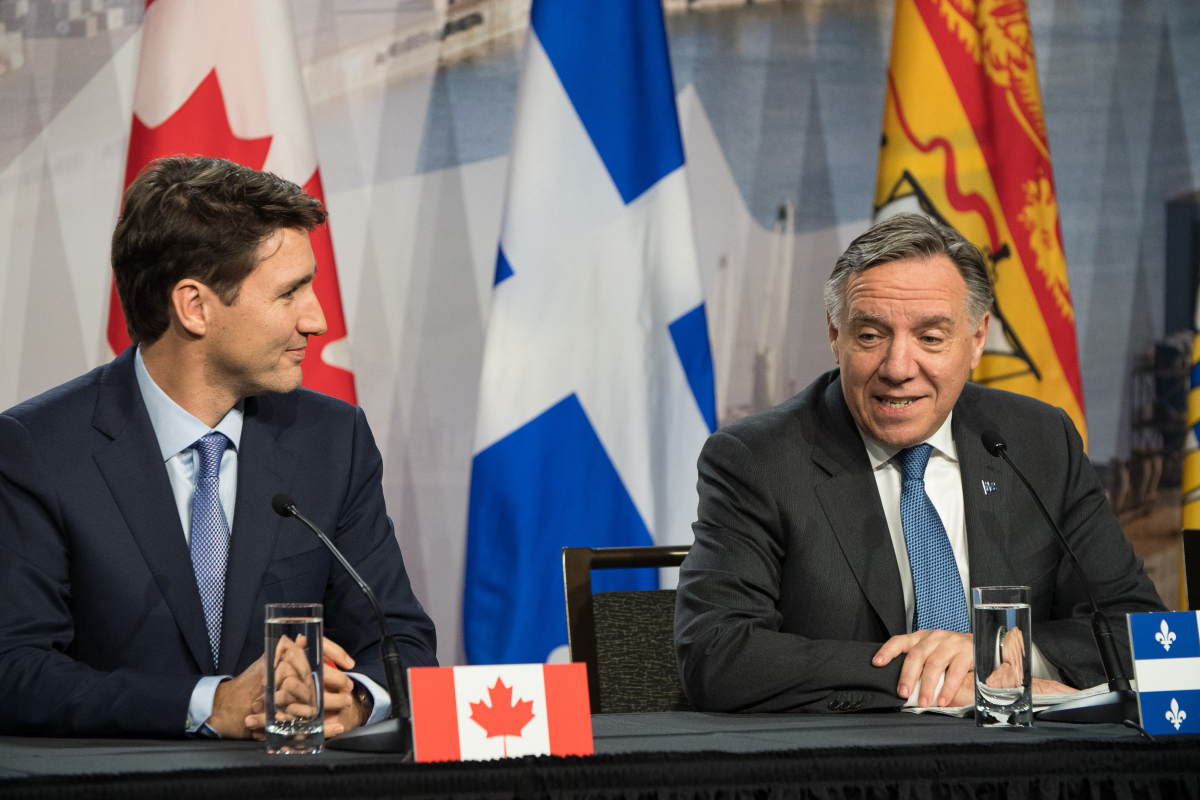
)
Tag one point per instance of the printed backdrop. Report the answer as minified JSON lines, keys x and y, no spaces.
{"x":412,"y":103}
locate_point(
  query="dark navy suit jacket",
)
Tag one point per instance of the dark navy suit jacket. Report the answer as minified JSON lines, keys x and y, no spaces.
{"x":101,"y":628}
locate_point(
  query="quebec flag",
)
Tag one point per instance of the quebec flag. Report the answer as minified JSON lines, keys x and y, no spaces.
{"x":1166,"y":662}
{"x":597,"y":387}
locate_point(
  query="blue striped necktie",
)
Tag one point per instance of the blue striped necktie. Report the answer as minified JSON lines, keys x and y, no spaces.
{"x":941,"y":603}
{"x":210,"y":534}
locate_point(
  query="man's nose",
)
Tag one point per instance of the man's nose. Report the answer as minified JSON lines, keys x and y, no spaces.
{"x":312,"y":318}
{"x":899,"y":364}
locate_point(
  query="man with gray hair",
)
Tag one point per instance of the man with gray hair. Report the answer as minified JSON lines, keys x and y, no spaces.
{"x":839,"y":533}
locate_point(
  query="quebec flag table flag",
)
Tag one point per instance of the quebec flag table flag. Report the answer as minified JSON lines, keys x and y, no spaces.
{"x":1166,"y":661}
{"x":596,"y":393}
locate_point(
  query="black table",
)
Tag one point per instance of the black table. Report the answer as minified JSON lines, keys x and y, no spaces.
{"x":834,"y":757}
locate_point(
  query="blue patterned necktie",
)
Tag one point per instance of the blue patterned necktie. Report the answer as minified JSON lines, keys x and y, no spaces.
{"x":941,"y":604}
{"x":210,"y":534}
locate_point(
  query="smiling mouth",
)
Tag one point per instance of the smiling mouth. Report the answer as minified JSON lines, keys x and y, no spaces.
{"x":889,"y":402}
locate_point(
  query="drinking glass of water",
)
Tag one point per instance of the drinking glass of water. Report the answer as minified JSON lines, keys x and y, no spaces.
{"x":1000,"y":625}
{"x":294,"y":701}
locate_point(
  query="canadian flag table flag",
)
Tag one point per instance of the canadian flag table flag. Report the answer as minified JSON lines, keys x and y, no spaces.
{"x":222,"y":78}
{"x":497,"y":711}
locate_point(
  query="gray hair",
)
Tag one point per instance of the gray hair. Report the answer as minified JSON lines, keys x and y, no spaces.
{"x":905,"y":236}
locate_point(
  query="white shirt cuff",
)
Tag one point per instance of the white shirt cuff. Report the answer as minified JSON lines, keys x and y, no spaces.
{"x":201,"y":705}
{"x":383,"y":700}
{"x":1039,"y":667}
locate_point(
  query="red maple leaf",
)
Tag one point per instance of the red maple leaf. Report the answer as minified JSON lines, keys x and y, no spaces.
{"x":503,"y":717}
{"x":198,"y":127}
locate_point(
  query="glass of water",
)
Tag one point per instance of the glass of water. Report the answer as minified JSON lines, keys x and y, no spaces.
{"x":294,"y":698}
{"x":1000,"y":625}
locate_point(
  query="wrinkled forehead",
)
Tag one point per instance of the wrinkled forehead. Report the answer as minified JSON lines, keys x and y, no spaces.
{"x":917,"y":289}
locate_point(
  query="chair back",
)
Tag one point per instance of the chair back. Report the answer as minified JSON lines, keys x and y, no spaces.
{"x":627,"y":639}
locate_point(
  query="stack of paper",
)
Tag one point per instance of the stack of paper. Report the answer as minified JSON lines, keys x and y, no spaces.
{"x":1040,"y":702}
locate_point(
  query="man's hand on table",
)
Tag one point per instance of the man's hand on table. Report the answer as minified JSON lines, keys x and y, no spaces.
{"x":343,"y":711}
{"x":1044,"y":686}
{"x":931,"y":653}
{"x":928,"y":655}
{"x":233,"y":700}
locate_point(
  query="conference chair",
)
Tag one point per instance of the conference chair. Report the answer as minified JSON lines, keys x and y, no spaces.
{"x":1191,"y":569}
{"x":627,"y":639}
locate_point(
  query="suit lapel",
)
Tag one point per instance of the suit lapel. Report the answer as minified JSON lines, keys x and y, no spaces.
{"x":132,"y":467}
{"x":264,"y":470}
{"x":850,"y":499}
{"x":987,"y":492}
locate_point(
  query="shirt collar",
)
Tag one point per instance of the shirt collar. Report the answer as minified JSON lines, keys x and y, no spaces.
{"x":176,"y":429}
{"x":942,"y":442}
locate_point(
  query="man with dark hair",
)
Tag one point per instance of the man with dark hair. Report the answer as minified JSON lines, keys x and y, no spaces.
{"x":839,"y":533}
{"x":138,"y":546}
{"x":197,"y":218}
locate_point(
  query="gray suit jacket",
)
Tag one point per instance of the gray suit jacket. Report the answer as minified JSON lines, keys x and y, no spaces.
{"x":792,"y":584}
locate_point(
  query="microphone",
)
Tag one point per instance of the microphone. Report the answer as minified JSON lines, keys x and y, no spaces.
{"x":394,"y":734}
{"x":1120,"y":702}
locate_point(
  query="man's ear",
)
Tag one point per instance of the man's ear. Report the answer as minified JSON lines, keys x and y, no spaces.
{"x":979,"y":339}
{"x":189,"y":304}
{"x":833,"y":337}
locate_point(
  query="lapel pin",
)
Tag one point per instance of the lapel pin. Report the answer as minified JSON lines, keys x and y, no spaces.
{"x":988,"y":486}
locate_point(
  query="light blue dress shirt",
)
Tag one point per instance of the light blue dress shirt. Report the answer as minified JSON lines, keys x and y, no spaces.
{"x":176,"y":431}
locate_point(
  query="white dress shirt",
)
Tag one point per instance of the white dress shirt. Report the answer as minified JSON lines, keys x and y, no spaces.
{"x":943,"y":484}
{"x":176,"y":431}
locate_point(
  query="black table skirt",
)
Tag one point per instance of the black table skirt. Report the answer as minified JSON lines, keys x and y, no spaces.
{"x":654,"y":756}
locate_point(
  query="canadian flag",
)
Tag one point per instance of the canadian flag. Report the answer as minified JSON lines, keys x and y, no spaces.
{"x":222,"y":78}
{"x":482,"y":712}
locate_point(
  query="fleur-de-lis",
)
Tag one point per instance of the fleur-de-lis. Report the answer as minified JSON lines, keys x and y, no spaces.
{"x":1176,"y":715}
{"x":1164,"y":637}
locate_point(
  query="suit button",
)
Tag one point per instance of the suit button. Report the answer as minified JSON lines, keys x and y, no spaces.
{"x":843,"y":705}
{"x":833,"y":705}
{"x":857,"y":704}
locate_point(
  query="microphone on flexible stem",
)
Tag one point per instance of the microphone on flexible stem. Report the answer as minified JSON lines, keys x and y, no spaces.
{"x":1120,"y":703}
{"x":393,"y":735}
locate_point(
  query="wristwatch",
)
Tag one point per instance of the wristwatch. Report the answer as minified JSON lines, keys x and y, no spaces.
{"x":364,"y":700}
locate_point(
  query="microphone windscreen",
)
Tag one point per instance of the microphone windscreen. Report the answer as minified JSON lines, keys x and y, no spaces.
{"x":282,"y":504}
{"x":993,"y":442}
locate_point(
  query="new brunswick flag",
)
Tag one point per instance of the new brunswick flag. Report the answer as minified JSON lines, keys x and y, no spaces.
{"x":964,"y":142}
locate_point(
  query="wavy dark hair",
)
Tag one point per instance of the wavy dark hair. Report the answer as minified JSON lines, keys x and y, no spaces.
{"x":200,"y":218}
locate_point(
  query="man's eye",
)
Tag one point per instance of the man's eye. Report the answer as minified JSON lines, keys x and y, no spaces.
{"x":288,"y":294}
